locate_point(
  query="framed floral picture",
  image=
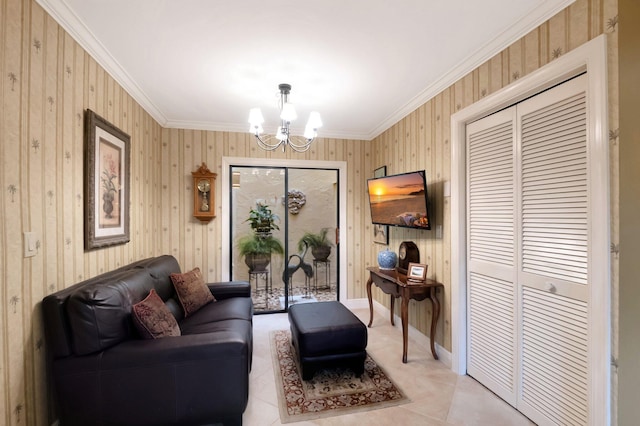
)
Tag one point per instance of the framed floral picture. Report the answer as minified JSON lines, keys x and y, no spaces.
{"x":106,"y":185}
{"x":380,"y":232}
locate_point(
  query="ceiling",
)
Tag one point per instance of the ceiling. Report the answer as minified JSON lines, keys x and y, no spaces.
{"x":363,"y":64}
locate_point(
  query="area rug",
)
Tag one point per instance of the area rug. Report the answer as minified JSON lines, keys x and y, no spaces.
{"x":331,"y":392}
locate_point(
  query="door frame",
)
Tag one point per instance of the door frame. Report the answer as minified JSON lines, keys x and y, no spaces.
{"x":592,"y":58}
{"x":340,"y":166}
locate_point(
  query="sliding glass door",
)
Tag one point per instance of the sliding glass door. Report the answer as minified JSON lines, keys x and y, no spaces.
{"x":303,"y":206}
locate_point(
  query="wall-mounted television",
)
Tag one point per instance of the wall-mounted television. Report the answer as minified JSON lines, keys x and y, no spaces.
{"x":400,"y":200}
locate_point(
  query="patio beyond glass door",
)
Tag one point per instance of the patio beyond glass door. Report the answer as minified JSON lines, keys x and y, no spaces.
{"x":303,"y":204}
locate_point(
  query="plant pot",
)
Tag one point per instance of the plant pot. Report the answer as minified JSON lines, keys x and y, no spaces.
{"x":321,"y":253}
{"x":263,"y":233}
{"x":257,"y":262}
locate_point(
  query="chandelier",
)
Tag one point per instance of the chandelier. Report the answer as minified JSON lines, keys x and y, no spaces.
{"x":283,"y":136}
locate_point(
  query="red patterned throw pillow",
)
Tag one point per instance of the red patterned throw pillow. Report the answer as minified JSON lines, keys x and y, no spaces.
{"x":153,"y":319}
{"x":192,"y":291}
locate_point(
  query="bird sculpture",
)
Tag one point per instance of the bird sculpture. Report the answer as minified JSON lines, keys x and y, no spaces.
{"x":295,"y":262}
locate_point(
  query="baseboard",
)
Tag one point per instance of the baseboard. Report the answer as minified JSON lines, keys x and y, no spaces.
{"x":420,"y":338}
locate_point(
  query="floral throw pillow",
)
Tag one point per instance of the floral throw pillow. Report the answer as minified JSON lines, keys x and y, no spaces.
{"x":192,"y":291}
{"x":153,"y":319}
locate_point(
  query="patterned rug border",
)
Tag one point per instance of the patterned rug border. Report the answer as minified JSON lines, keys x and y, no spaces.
{"x":285,"y":417}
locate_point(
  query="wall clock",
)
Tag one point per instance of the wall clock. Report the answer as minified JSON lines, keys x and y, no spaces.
{"x":407,"y":253}
{"x":203,"y":193}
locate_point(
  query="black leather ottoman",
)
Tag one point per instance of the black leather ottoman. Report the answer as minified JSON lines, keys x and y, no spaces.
{"x":327,"y":335}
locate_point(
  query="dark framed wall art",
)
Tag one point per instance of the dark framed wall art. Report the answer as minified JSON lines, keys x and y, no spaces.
{"x":106,"y":184}
{"x":380,"y":232}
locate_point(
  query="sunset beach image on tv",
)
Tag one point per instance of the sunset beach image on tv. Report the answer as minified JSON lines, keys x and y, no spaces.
{"x":399,"y":200}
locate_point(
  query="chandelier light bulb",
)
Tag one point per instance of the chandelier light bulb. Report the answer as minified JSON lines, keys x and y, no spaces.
{"x":255,"y":117}
{"x":256,"y":129}
{"x":288,"y":112}
{"x":310,"y":133}
{"x":315,"y":122}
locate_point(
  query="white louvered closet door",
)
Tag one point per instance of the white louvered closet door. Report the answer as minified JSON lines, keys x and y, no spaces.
{"x":492,"y":302}
{"x":554,"y":253}
{"x":527,"y":323}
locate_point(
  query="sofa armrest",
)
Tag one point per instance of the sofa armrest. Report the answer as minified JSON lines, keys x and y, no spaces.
{"x":228,"y":289}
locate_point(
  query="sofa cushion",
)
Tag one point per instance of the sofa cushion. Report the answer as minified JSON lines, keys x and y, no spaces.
{"x":242,"y":329}
{"x":240,"y":308}
{"x":100,"y":311}
{"x":159,"y":269}
{"x":192,"y":291}
{"x":153,"y":319}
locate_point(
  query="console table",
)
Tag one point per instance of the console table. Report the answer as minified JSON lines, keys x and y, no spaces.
{"x":395,"y":284}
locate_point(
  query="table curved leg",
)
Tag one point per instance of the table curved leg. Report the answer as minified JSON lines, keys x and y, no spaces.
{"x":405,"y":331}
{"x":369,"y":282}
{"x":435,"y":314}
{"x":393,"y":300}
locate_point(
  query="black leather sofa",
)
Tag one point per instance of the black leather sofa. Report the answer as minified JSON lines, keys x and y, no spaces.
{"x":103,"y":373}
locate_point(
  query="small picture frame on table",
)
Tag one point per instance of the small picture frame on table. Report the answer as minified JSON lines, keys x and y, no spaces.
{"x":380,"y":232}
{"x":416,"y":273}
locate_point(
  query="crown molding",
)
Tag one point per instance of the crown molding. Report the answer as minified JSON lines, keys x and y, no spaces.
{"x":503,"y":40}
{"x":67,"y":19}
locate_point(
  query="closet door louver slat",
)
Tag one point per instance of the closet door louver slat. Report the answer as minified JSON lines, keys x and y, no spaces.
{"x":491,"y":204}
{"x":554,"y":356}
{"x":491,"y":343}
{"x":568,"y":204}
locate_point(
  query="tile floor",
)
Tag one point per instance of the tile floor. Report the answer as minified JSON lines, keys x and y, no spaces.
{"x":438,"y":396}
{"x":265,"y":301}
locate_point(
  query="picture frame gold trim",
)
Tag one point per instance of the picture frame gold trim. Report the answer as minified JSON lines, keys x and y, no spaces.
{"x":106,"y":183}
{"x":380,"y":232}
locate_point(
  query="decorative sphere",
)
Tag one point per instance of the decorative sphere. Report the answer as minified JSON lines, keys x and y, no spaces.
{"x":387,"y":259}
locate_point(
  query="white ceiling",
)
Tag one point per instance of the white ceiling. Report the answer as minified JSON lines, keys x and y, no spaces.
{"x":363,"y":64}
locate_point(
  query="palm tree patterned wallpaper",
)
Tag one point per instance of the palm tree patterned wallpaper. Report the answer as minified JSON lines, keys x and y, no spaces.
{"x":47,"y":81}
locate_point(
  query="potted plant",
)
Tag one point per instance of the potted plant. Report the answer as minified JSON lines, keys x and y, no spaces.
{"x":258,"y":247}
{"x":318,"y":242}
{"x":262,"y":220}
{"x":257,"y":250}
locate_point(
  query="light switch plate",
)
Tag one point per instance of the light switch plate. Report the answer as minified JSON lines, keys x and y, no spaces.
{"x":446,"y":188}
{"x":30,"y":244}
